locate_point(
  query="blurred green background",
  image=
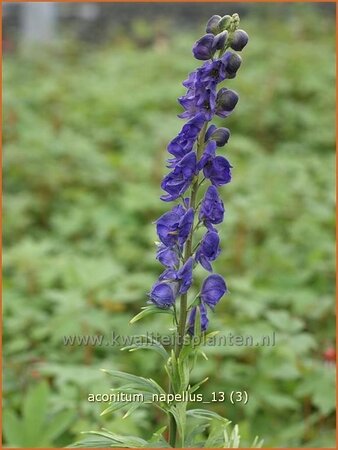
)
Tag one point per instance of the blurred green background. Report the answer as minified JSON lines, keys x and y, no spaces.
{"x":86,"y":124}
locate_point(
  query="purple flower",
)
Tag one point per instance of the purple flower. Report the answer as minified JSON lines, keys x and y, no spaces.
{"x":185,"y":226}
{"x":212,"y":208}
{"x":203,"y":318}
{"x":201,"y":90}
{"x":209,"y":132}
{"x":201,"y":102}
{"x":201,"y":85}
{"x":179,"y":179}
{"x":203,"y":48}
{"x":174,"y":226}
{"x":213,"y":289}
{"x":163,"y":294}
{"x":226,"y":101}
{"x":167,"y":256}
{"x":199,"y":99}
{"x":208,"y":250}
{"x":213,"y":72}
{"x":183,"y":276}
{"x":208,"y":154}
{"x":183,"y":143}
{"x":218,"y":170}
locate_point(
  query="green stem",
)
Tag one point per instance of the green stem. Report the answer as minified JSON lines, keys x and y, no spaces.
{"x":188,"y":251}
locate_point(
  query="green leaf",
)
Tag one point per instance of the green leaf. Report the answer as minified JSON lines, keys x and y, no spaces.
{"x":152,"y":344}
{"x":158,"y":434}
{"x":35,"y":409}
{"x":257,"y":443}
{"x":144,"y":383}
{"x":178,"y":411}
{"x":184,"y":374}
{"x":147,"y":310}
{"x":206,"y":414}
{"x":60,"y":422}
{"x":233,"y":440}
{"x":195,"y":432}
{"x":216,"y":435}
{"x":92,"y":442}
{"x":157,"y":440}
{"x":120,"y":440}
{"x":13,"y":429}
{"x":196,"y":386}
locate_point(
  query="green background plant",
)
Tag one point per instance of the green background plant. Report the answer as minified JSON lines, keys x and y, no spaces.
{"x":85,"y":131}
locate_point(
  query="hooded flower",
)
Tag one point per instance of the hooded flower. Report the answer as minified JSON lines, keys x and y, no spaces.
{"x":208,"y":250}
{"x":218,"y":170}
{"x":203,"y":318}
{"x":183,"y":143}
{"x":167,"y":256}
{"x":212,"y":208}
{"x":203,"y":48}
{"x":183,"y":276}
{"x":208,"y":154}
{"x":213,"y":289}
{"x":201,"y":99}
{"x":163,"y":294}
{"x":174,"y":226}
{"x":179,"y":179}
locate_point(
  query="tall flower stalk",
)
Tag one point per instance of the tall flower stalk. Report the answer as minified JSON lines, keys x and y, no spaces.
{"x":194,"y":162}
{"x":188,"y":237}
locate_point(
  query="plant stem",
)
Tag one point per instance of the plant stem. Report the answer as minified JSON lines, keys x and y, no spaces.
{"x":181,"y":328}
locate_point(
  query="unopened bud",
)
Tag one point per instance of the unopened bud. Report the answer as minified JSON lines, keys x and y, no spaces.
{"x":213,"y":25}
{"x":235,"y":19}
{"x":224,"y":23}
{"x":220,"y":40}
{"x":220,"y":136}
{"x":239,"y":40}
{"x":226,"y":101}
{"x":234,"y":63}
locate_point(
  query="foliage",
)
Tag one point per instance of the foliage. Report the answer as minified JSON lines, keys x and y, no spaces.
{"x":38,"y":426}
{"x":85,"y":131}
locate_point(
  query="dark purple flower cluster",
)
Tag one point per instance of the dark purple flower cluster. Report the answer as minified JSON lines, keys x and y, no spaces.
{"x":194,"y":159}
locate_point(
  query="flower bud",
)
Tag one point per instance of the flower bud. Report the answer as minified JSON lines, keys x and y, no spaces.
{"x":203,"y":48}
{"x":235,"y":20}
{"x":224,"y":23}
{"x":239,"y":40}
{"x":212,"y":25}
{"x":226,"y":101}
{"x":234,"y":63}
{"x":221,"y":136}
{"x":220,"y":40}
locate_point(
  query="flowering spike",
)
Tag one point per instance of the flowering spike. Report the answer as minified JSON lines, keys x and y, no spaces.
{"x":194,"y":161}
